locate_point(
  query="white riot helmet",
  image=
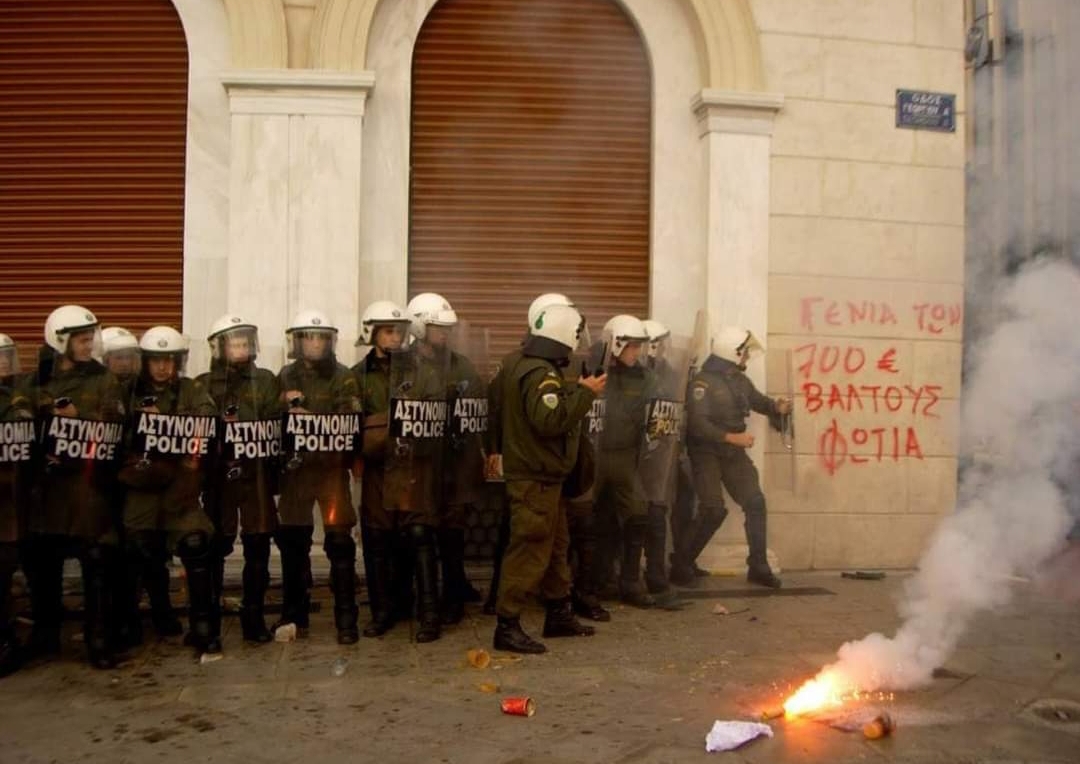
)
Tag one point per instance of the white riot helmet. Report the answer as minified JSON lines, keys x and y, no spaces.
{"x":546,"y":301}
{"x":311,"y":324}
{"x":120,"y":351}
{"x":67,"y":320}
{"x":623,"y":329}
{"x":659,"y":337}
{"x":230,"y":329}
{"x":117,"y":339}
{"x":9,"y":356}
{"x":735,"y":344}
{"x":164,"y":340}
{"x":381,"y":313}
{"x":429,"y":309}
{"x":560,"y":323}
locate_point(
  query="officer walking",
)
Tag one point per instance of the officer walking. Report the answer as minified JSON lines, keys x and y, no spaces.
{"x":240,"y":486}
{"x":721,"y":399}
{"x":74,"y":519}
{"x":162,"y":513}
{"x":541,"y":431}
{"x":315,"y":383}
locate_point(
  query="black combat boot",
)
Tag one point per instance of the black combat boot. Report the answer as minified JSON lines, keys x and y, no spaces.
{"x":341,"y":550}
{"x":582,"y":533}
{"x":758,"y":570}
{"x":377,"y":566}
{"x":43,"y":562}
{"x":294,"y":543}
{"x":256,"y":580}
{"x":204,"y":615}
{"x":684,"y":570}
{"x":588,"y":606}
{"x":97,"y":608}
{"x":427,"y":584}
{"x":162,"y":616}
{"x":560,"y":621}
{"x":630,"y":589}
{"x":454,"y":583}
{"x":509,"y":636}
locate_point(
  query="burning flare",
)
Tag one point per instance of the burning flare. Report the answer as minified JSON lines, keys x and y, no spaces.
{"x":828,"y":689}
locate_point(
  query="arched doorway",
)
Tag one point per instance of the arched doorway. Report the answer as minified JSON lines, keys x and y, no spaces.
{"x":92,"y":157}
{"x":530,"y":159}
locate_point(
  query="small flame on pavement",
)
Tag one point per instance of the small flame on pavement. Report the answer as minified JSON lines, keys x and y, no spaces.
{"x":828,"y":690}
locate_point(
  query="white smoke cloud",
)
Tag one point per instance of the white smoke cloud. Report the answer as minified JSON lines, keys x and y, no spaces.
{"x":1020,"y":420}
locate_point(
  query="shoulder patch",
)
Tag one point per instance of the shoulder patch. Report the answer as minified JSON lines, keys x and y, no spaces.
{"x":548,"y":382}
{"x":699,"y":393}
{"x":551,"y":400}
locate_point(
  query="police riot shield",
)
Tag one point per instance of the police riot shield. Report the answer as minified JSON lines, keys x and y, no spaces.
{"x":591,"y":361}
{"x":251,"y":438}
{"x":417,"y":421}
{"x":17,"y":439}
{"x":467,"y":410}
{"x":171,"y":437}
{"x":668,"y":367}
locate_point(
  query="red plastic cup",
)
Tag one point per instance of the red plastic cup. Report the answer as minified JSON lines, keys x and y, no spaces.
{"x":518,"y":706}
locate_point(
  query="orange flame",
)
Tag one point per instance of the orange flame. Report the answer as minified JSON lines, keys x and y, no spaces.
{"x":827,"y":690}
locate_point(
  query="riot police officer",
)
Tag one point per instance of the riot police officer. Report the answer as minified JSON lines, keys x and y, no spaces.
{"x":433,"y":320}
{"x":396,"y":525}
{"x":16,"y":439}
{"x":162,"y":513}
{"x":79,"y":404}
{"x":621,"y":501}
{"x":315,"y":383}
{"x":121,"y":353}
{"x":721,"y":399}
{"x":493,"y":446}
{"x":240,"y":485}
{"x":541,"y":431}
{"x":121,"y":357}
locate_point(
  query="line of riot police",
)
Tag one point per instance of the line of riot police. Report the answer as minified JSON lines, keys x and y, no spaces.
{"x":124,"y":462}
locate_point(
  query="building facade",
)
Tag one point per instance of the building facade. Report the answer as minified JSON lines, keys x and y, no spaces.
{"x":754,"y":170}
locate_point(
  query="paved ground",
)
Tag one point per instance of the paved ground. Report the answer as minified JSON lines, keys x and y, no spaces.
{"x":646,"y":689}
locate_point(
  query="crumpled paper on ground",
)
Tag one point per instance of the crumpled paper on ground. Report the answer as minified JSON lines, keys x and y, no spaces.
{"x":727,"y":736}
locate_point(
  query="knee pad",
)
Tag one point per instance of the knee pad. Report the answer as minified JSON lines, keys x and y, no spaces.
{"x":339,"y":545}
{"x":755,"y":505}
{"x":193,"y":546}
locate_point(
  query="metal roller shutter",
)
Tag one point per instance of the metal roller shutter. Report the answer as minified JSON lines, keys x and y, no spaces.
{"x":531,"y":125}
{"x":92,"y":145}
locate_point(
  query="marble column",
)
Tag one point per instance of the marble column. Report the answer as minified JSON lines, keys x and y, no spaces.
{"x":294,"y":199}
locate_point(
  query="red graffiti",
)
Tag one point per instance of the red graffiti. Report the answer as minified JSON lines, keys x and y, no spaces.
{"x":827,"y":358}
{"x":936,"y":317}
{"x":874,"y":398}
{"x":844,"y":313}
{"x":887,"y":361}
{"x":886,"y":443}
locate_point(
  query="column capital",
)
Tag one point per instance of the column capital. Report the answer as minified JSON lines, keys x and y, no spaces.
{"x":736,"y":111}
{"x":292,"y":91}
